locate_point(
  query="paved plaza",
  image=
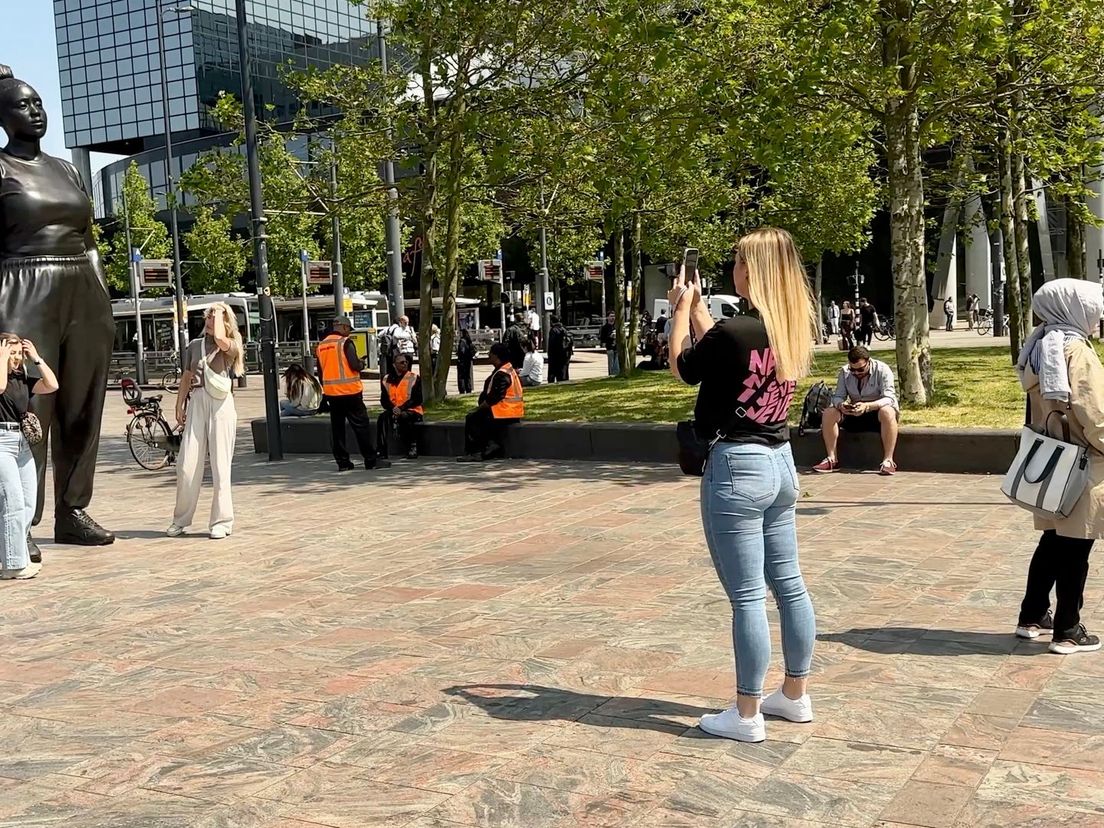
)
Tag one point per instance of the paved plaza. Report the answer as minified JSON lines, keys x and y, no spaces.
{"x":529,"y":645}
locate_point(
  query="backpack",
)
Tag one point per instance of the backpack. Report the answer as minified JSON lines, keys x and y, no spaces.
{"x":817,"y":399}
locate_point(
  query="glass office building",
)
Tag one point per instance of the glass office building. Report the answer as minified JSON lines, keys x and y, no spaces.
{"x":111,"y":73}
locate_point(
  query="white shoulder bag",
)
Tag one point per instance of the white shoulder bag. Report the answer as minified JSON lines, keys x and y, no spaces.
{"x":215,"y":383}
{"x":1049,"y":475}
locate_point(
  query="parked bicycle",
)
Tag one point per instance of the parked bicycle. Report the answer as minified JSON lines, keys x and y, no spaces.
{"x":885,"y":329}
{"x":170,"y":380}
{"x":153,"y":443}
{"x":985,"y":322}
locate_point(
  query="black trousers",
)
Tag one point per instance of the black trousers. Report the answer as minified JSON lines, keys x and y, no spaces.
{"x":557,"y":369}
{"x":60,"y":304}
{"x":404,"y":424}
{"x":464,"y":377}
{"x":481,"y":428}
{"x":1062,"y":564}
{"x":350,"y":407}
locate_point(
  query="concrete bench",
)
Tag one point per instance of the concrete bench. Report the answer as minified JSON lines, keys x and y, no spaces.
{"x":956,"y":451}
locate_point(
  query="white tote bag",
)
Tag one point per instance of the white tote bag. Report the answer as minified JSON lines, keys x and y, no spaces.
{"x":1049,"y":475}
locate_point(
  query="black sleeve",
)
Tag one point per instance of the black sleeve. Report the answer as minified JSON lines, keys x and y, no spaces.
{"x":353,"y":357}
{"x":385,"y":396}
{"x":703,"y":358}
{"x":415,"y":396}
{"x":499,"y":388}
{"x":31,"y":382}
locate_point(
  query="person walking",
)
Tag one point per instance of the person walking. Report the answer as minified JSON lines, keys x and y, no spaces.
{"x":18,"y":473}
{"x":833,"y":318}
{"x":1062,"y":375}
{"x":971,"y":310}
{"x":847,"y":326}
{"x":434,"y":346}
{"x":205,"y":407}
{"x":340,"y":367}
{"x":868,"y":317}
{"x":949,"y":312}
{"x":607,"y":337}
{"x":534,"y":320}
{"x":558,"y":343}
{"x":465,"y":359}
{"x":748,"y":370}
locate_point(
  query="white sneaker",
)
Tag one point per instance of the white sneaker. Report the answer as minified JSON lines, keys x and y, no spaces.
{"x":24,"y":574}
{"x":780,"y":705}
{"x":219,"y":532}
{"x":731,"y":725}
{"x":174,"y":531}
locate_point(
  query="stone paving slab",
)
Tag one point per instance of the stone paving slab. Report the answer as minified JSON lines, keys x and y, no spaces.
{"x":530,"y":645}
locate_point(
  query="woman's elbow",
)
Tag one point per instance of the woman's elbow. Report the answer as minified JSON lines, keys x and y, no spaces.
{"x":44,"y":388}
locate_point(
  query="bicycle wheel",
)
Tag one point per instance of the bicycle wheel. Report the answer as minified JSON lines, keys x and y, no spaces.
{"x":171,"y":381}
{"x":882,"y":334}
{"x":983,"y":327}
{"x":148,"y":439}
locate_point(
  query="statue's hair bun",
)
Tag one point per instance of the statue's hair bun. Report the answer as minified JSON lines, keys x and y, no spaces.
{"x":5,"y":72}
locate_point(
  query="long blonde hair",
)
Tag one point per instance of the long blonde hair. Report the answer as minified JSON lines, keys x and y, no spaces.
{"x":779,"y":289}
{"x":236,"y":353}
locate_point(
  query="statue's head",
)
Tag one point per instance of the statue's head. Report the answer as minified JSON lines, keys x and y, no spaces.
{"x":21,"y":112}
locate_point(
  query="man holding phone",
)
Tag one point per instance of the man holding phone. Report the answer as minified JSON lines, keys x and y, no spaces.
{"x":865,"y":400}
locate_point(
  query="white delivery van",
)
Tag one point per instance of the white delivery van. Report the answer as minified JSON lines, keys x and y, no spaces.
{"x":721,"y":306}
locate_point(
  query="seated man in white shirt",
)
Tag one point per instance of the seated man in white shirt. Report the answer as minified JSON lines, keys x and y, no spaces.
{"x":865,"y":400}
{"x":532,"y":369}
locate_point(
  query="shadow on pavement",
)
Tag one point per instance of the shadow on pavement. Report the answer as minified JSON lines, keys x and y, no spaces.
{"x":536,"y":703}
{"x":930,"y":642}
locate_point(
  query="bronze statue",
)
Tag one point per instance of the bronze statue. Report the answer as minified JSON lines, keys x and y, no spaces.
{"x":53,"y":291}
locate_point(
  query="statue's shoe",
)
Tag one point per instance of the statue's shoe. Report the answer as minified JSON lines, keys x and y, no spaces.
{"x":77,"y":528}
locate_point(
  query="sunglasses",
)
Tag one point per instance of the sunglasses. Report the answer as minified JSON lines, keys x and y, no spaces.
{"x":861,"y":372}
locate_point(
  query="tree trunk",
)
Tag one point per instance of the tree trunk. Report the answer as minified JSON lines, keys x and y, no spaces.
{"x":450,"y":280}
{"x":906,"y":205}
{"x":636,"y":284}
{"x":429,"y":227}
{"x":818,"y":296}
{"x":1075,"y":239}
{"x":1023,"y":251}
{"x":619,"y":292}
{"x":1011,"y":251}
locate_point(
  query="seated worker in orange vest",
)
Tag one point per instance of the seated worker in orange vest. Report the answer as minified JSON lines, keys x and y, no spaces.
{"x":500,"y":404}
{"x":401,"y":398}
{"x":339,"y":369}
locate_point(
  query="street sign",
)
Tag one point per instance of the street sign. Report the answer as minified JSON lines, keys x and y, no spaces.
{"x":319,"y":273}
{"x":595,"y":271}
{"x":549,"y":301}
{"x":154,"y":273}
{"x":489,"y":270}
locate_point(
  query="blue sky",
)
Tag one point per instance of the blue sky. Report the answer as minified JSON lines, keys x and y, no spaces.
{"x":28,"y":44}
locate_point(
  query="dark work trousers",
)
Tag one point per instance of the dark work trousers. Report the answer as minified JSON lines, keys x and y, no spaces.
{"x":60,"y":304}
{"x":1062,"y":564}
{"x":404,"y":424}
{"x":350,"y":407}
{"x":481,"y":428}
{"x":557,"y":368}
{"x":464,"y":377}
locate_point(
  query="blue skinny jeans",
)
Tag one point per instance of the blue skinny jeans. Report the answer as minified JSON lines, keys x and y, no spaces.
{"x":18,"y":495}
{"x":748,"y":503}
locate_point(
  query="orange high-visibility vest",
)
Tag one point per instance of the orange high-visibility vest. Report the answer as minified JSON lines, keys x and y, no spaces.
{"x":400,"y":392}
{"x":512,"y":406}
{"x":338,"y":377}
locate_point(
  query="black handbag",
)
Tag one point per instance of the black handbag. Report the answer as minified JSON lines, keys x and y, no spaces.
{"x":693,"y":451}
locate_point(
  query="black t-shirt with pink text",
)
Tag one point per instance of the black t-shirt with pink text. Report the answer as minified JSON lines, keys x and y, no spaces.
{"x":740,"y":395}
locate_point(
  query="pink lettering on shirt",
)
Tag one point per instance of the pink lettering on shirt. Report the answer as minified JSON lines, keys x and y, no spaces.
{"x":772,"y":398}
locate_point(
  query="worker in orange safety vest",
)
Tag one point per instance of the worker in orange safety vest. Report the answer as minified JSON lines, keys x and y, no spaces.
{"x":401,"y":398}
{"x":501,"y":403}
{"x":339,"y":368}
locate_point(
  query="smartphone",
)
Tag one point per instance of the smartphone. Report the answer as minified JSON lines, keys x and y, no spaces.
{"x":690,"y":261}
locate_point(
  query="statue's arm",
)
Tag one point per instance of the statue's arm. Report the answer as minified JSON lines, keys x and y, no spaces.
{"x":90,"y":248}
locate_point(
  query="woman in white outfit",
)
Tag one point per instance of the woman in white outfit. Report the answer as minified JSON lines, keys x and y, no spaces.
{"x":205,"y":407}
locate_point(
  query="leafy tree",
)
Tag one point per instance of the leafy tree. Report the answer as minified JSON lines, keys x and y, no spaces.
{"x":218,"y":259}
{"x":149,"y":235}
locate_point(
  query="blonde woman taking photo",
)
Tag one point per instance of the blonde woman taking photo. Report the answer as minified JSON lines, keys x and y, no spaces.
{"x":748,"y":369}
{"x":205,"y":407}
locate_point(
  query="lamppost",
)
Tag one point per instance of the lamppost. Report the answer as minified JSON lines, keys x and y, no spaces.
{"x":260,"y":244}
{"x":178,"y":287}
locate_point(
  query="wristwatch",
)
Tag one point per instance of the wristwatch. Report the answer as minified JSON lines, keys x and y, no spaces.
{"x":37,"y":361}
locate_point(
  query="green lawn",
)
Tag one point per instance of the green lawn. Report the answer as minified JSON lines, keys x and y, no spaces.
{"x":975,"y":388}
